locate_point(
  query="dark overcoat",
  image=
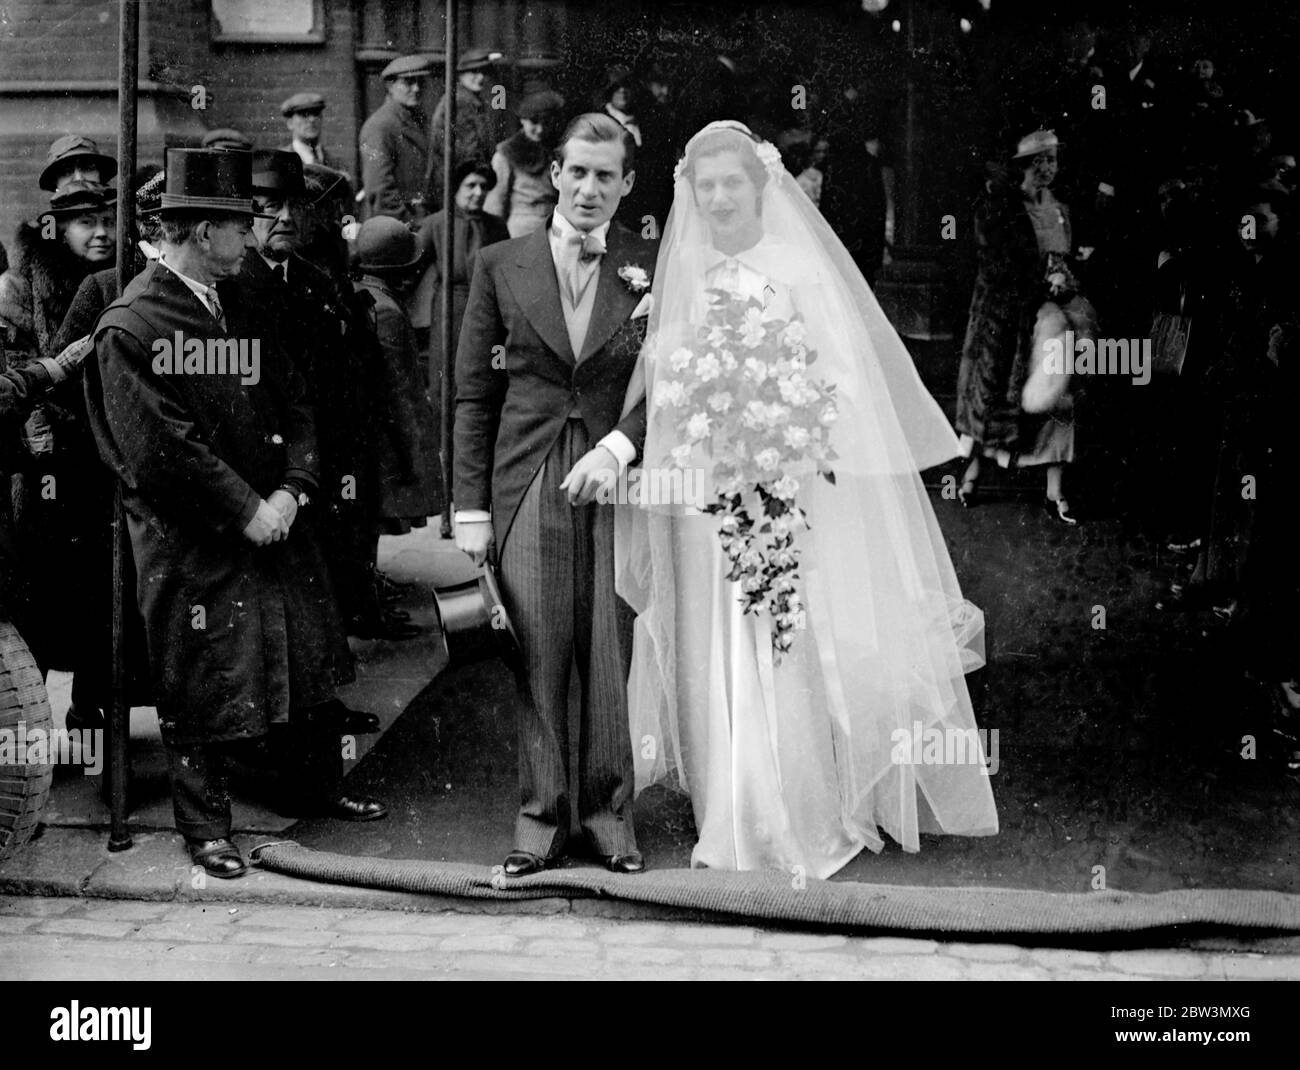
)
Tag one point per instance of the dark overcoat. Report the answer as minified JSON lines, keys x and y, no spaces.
{"x":394,"y":159}
{"x":469,"y":235}
{"x":404,"y":438}
{"x":517,"y":377}
{"x":236,"y":633}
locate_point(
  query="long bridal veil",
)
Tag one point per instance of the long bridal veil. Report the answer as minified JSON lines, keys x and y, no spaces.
{"x":886,"y":620}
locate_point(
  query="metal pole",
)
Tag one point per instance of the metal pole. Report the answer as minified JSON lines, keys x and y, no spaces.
{"x":448,"y":240}
{"x":119,"y":719}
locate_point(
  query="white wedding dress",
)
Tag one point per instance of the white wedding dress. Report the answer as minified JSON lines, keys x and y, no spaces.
{"x":799,"y":765}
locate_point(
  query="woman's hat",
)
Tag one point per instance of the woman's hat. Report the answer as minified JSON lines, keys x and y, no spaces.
{"x":75,"y":147}
{"x":473,"y":167}
{"x":546,"y":102}
{"x":478,"y":59}
{"x":208,"y":180}
{"x":474,"y":623}
{"x":78,"y":197}
{"x":1038,"y":141}
{"x":386,"y":244}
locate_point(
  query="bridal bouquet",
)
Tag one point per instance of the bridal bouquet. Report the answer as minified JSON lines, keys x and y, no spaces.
{"x":740,"y":393}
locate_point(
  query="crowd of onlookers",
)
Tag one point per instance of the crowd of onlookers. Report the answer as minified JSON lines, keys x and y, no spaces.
{"x":1180,"y":195}
{"x":1141,"y":197}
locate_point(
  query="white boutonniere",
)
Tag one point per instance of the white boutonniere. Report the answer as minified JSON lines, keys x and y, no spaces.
{"x":635,"y":278}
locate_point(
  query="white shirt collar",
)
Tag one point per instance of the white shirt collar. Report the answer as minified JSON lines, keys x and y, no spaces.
{"x":566,"y":229}
{"x":205,"y":293}
{"x":273,"y":264}
{"x":308,"y":153}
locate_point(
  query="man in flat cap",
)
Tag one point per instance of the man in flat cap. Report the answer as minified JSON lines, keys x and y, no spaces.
{"x":474,"y":133}
{"x":395,"y":144}
{"x":75,"y":158}
{"x":303,"y":115}
{"x":204,"y":421}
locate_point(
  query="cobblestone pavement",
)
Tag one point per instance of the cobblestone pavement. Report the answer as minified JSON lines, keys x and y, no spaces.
{"x":98,"y":939}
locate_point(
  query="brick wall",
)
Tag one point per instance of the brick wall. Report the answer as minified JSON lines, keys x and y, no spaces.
{"x":58,"y":74}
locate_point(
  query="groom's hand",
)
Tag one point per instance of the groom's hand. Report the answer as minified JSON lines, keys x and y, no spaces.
{"x":595,"y":469}
{"x":474,"y":537}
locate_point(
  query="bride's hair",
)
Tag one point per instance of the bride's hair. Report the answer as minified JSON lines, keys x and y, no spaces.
{"x":715,"y":143}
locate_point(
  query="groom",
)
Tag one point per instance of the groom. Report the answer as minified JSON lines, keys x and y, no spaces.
{"x":548,"y":344}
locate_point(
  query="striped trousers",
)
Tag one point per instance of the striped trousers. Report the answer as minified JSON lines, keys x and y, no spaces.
{"x":557,"y":579}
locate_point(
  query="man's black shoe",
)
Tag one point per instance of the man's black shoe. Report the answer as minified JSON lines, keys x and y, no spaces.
{"x":355,"y":808}
{"x":522,"y":863}
{"x":632,"y":862}
{"x":219,"y":858}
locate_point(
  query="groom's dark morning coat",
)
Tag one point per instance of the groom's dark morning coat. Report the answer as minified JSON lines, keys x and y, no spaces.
{"x":509,"y":416}
{"x":527,"y":408}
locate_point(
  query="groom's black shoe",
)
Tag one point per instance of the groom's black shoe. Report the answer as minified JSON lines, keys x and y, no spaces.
{"x":522,"y":863}
{"x":632,"y":862}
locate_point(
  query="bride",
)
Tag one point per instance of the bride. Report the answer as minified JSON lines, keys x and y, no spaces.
{"x":799,"y":645}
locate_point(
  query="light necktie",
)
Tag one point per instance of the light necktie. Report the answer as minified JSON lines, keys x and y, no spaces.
{"x":579,"y":251}
{"x":214,"y":304}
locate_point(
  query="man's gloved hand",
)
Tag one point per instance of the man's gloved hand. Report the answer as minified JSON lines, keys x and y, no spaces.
{"x":474,"y":537}
{"x":267,"y":526}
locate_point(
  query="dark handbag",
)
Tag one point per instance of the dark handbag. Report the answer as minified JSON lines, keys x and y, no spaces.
{"x":1170,"y":334}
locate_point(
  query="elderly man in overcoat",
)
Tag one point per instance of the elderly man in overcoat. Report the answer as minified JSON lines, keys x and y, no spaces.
{"x":206,"y":426}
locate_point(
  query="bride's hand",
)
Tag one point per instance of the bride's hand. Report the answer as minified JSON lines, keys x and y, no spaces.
{"x":597,"y":468}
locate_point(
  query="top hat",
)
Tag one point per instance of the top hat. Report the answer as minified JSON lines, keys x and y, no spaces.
{"x":477,"y":59}
{"x":277,"y":171}
{"x":72,"y":147}
{"x":215,"y":180}
{"x":408,"y":67}
{"x":302,"y":102}
{"x":78,"y":197}
{"x":227,"y":139}
{"x":1038,"y":141}
{"x":473,"y":621}
{"x":148,"y":195}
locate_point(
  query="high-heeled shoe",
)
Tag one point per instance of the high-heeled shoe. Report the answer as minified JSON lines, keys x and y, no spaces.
{"x":1059,"y":510}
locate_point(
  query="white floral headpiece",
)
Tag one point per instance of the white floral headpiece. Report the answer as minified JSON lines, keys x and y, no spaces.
{"x":768,"y":154}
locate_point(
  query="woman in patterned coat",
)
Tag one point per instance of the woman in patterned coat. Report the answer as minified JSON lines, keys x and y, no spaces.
{"x":1024,"y":240}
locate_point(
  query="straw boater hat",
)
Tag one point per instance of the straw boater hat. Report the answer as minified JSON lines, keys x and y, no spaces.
{"x":208,"y":180}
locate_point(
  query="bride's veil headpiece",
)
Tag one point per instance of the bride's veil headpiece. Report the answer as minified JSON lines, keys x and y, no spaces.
{"x":889,"y":627}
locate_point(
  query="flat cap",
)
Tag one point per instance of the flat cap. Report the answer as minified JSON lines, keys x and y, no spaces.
{"x":303,"y":102}
{"x":408,"y":67}
{"x":476,"y":59}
